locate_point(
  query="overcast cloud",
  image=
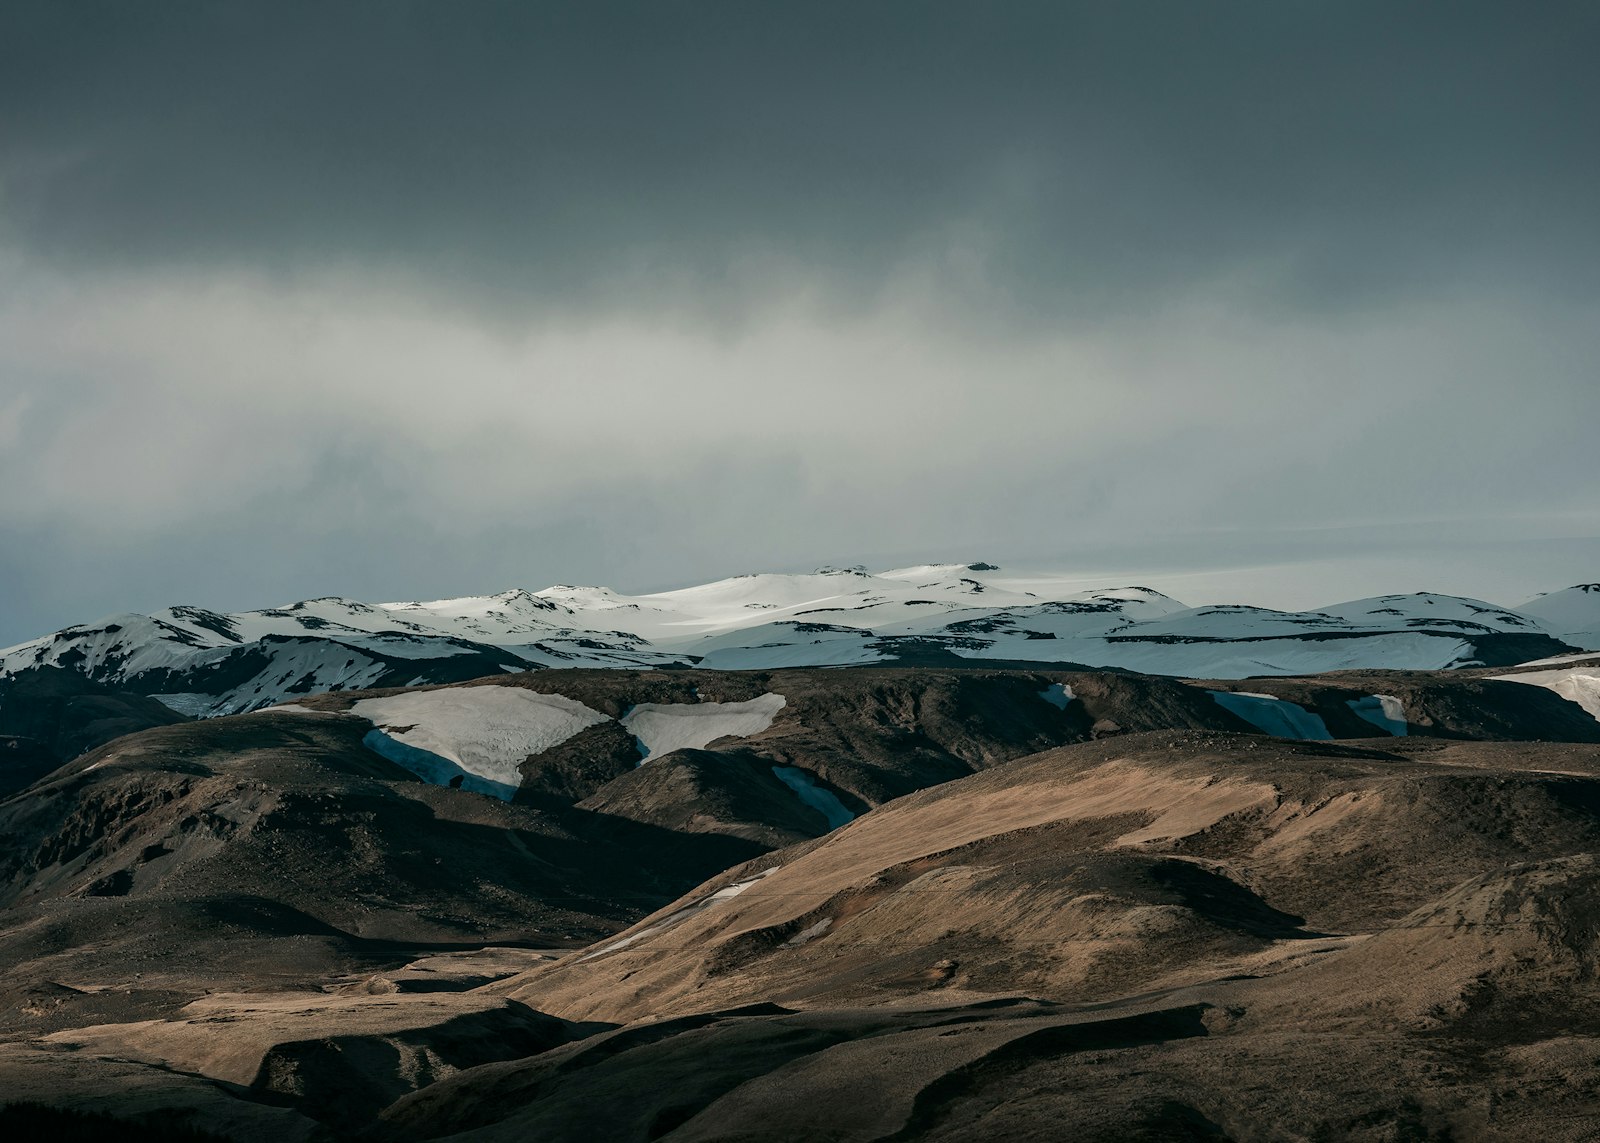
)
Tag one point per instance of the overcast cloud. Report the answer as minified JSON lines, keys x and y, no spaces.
{"x":1287,"y":301}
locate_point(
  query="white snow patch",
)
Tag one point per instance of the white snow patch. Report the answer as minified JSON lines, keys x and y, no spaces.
{"x":1057,"y":695}
{"x":664,"y":727}
{"x":435,"y":769}
{"x":1272,"y":715}
{"x":1577,"y":684}
{"x":1230,"y":658}
{"x":825,"y":802}
{"x":1383,"y":711}
{"x":483,"y":732}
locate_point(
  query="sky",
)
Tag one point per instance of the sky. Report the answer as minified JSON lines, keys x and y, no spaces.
{"x":1282,"y":302}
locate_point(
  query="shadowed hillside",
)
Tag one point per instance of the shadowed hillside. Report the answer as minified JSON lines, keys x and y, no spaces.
{"x":866,"y":904}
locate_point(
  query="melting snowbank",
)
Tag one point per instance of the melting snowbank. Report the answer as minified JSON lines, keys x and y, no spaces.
{"x":1272,"y":715}
{"x":1575,"y":684}
{"x":477,"y":737}
{"x":664,"y":727}
{"x":482,"y":734}
{"x":433,"y":768}
{"x":1384,"y":711}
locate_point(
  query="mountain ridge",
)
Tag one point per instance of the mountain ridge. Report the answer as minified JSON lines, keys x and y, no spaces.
{"x":203,"y":662}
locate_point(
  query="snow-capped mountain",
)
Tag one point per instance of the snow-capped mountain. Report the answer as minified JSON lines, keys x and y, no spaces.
{"x":204,"y":662}
{"x":1572,"y":615}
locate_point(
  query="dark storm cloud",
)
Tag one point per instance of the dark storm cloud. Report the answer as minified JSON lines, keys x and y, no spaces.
{"x":1093,"y":155}
{"x":396,"y":299}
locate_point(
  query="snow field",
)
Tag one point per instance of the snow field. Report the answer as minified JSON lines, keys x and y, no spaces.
{"x":831,"y":617}
{"x":478,"y":737}
{"x":484,"y":733}
{"x":1575,"y":684}
{"x":665,"y":727}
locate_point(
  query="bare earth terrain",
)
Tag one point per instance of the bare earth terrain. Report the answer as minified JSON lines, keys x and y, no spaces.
{"x":863,"y":904}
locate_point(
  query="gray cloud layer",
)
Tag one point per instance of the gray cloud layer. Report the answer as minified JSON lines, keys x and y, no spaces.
{"x":395,"y":299}
{"x":1092,"y":151}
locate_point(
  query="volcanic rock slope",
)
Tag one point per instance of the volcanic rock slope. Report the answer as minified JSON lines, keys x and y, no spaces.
{"x":200,"y":662}
{"x":50,"y":715}
{"x":794,"y":904}
{"x":544,"y":810}
{"x":1164,"y":936}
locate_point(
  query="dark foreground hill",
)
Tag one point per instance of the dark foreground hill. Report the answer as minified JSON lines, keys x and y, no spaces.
{"x":1077,"y":904}
{"x":50,"y":715}
{"x":276,"y":847}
